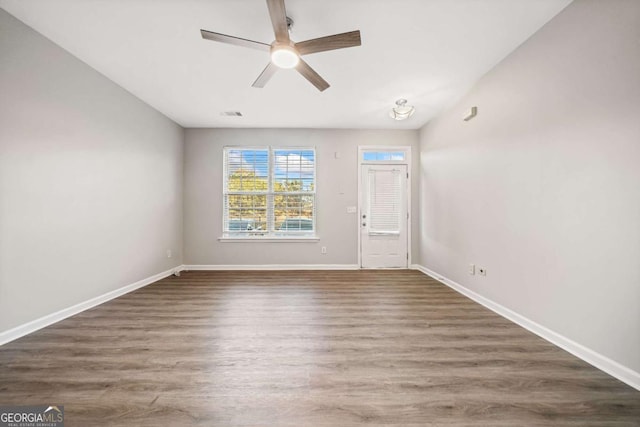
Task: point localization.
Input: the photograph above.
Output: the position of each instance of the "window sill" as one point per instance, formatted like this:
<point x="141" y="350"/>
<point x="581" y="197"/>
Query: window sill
<point x="269" y="239"/>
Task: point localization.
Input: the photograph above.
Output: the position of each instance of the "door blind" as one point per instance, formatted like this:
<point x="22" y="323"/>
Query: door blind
<point x="385" y="201"/>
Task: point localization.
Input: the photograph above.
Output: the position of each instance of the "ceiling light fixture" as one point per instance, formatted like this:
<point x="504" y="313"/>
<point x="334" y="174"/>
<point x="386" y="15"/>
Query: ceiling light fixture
<point x="284" y="55"/>
<point x="401" y="111"/>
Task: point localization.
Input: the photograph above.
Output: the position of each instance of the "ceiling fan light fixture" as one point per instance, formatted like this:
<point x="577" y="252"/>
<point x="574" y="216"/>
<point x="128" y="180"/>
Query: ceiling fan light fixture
<point x="401" y="111"/>
<point x="283" y="51"/>
<point x="284" y="56"/>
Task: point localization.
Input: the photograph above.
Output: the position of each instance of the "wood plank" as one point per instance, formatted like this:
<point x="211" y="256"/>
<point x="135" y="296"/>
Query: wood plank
<point x="335" y="41"/>
<point x="305" y="348"/>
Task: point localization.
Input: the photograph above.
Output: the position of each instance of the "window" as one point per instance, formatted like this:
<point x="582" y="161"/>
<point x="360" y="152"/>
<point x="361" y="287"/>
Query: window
<point x="269" y="192"/>
<point x="383" y="156"/>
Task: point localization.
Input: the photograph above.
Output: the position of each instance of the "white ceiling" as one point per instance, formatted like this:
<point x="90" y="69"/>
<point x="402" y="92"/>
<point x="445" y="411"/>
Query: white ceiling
<point x="428" y="51"/>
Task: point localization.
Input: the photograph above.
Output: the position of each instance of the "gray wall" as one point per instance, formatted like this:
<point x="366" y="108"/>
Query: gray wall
<point x="337" y="188"/>
<point x="90" y="181"/>
<point x="543" y="187"/>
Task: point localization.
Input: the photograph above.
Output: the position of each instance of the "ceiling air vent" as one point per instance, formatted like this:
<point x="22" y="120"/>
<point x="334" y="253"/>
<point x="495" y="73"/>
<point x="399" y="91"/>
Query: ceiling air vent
<point x="231" y="113"/>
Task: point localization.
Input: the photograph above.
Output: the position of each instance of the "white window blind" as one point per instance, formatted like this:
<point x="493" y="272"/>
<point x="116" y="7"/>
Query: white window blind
<point x="246" y="190"/>
<point x="385" y="200"/>
<point x="269" y="191"/>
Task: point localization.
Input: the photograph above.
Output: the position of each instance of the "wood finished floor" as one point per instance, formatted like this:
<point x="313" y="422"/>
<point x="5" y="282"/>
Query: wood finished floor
<point x="324" y="348"/>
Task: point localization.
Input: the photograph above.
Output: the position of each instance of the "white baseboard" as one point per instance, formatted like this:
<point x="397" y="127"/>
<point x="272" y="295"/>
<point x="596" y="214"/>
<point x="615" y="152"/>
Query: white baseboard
<point x="240" y="267"/>
<point x="601" y="362"/>
<point x="49" y="319"/>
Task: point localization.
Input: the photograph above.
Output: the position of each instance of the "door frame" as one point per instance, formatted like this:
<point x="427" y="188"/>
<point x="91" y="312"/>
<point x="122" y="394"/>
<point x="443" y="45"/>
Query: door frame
<point x="406" y="149"/>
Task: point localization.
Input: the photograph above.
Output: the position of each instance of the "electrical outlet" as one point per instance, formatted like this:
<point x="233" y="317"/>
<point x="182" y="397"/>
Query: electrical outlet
<point x="472" y="269"/>
<point x="482" y="271"/>
<point x="168" y="253"/>
<point x="323" y="250"/>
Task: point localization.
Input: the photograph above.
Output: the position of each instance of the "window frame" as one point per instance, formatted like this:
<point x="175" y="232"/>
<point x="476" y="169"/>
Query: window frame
<point x="271" y="234"/>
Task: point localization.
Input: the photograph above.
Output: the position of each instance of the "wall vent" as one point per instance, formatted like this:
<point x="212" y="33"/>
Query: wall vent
<point x="231" y="113"/>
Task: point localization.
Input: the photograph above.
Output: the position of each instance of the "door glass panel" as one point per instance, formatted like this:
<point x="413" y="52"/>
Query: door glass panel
<point x="385" y="198"/>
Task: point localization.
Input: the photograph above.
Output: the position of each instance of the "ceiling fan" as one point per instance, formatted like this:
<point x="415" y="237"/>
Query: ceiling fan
<point x="286" y="53"/>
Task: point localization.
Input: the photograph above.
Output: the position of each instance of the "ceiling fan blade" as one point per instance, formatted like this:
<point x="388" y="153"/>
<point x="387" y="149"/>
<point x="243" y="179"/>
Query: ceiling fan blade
<point x="336" y="41"/>
<point x="266" y="75"/>
<point x="217" y="37"/>
<point x="278" y="16"/>
<point x="313" y="77"/>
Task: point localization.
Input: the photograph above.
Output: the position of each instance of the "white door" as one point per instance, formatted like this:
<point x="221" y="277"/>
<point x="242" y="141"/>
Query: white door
<point x="383" y="216"/>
